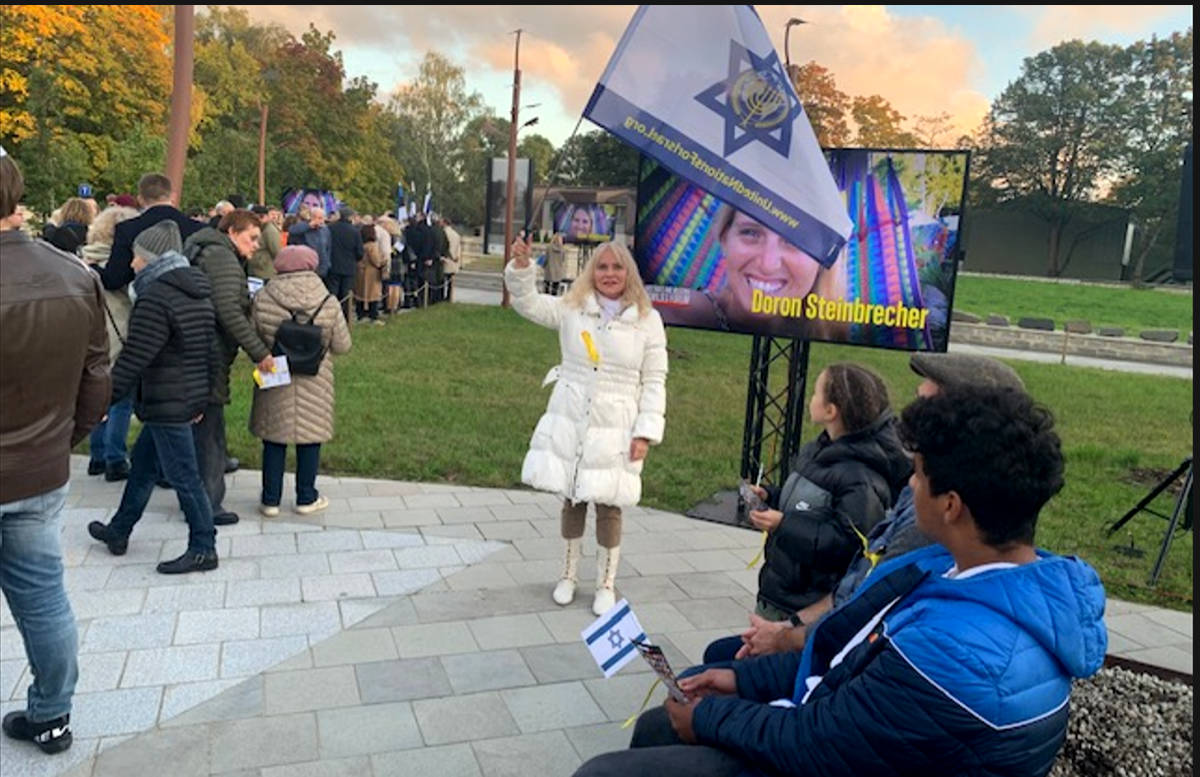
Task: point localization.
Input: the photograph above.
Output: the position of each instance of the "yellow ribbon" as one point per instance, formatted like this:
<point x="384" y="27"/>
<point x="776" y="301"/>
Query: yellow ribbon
<point x="645" y="701"/>
<point x="868" y="554"/>
<point x="754" y="561"/>
<point x="593" y="354"/>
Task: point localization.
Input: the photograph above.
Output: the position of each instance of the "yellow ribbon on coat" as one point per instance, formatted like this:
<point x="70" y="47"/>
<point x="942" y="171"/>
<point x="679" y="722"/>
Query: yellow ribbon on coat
<point x="754" y="561"/>
<point x="593" y="354"/>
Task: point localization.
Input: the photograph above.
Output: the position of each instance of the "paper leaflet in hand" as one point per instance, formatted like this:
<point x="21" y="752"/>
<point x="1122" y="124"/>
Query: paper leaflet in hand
<point x="280" y="376"/>
<point x="658" y="662"/>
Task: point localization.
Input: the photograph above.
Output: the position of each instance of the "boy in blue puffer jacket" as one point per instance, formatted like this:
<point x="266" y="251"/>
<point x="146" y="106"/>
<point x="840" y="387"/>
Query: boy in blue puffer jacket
<point x="956" y="659"/>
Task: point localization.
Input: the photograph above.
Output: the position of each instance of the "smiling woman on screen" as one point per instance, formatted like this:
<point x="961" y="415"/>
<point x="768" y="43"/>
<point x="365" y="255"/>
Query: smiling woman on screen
<point x="762" y="266"/>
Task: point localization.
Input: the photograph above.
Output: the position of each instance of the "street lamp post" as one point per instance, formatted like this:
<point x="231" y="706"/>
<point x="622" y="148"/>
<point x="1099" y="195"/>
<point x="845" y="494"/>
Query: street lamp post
<point x="510" y="186"/>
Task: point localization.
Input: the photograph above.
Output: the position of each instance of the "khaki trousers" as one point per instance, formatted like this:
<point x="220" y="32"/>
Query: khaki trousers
<point x="608" y="523"/>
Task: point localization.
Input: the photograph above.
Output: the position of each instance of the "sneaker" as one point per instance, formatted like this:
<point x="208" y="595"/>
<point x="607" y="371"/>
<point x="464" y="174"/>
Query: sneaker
<point x="53" y="736"/>
<point x="225" y="519"/>
<point x="95" y="467"/>
<point x="189" y="562"/>
<point x="116" y="472"/>
<point x="377" y="322"/>
<point x="231" y="464"/>
<point x="117" y="545"/>
<point x="268" y="511"/>
<point x="314" y="507"/>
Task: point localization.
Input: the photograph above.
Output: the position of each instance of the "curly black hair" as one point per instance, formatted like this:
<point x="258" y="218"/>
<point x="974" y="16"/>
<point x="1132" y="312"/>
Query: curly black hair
<point x="996" y="448"/>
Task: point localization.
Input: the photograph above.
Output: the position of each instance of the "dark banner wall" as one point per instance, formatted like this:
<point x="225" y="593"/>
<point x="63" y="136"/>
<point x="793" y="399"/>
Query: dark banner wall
<point x="496" y="185"/>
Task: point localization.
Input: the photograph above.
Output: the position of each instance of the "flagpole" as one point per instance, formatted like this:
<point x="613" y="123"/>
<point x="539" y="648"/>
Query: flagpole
<point x="510" y="185"/>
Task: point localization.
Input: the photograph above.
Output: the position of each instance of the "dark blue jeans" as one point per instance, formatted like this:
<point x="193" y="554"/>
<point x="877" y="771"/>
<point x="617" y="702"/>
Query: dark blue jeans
<point x="171" y="447"/>
<point x="308" y="459"/>
<point x="723" y="650"/>
<point x="107" y="443"/>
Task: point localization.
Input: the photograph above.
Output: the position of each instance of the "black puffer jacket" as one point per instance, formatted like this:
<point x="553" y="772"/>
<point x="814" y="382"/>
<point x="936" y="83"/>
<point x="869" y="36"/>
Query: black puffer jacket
<point x="835" y="486"/>
<point x="167" y="357"/>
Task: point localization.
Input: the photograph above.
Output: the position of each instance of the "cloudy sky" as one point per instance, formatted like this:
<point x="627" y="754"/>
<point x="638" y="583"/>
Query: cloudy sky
<point x="924" y="59"/>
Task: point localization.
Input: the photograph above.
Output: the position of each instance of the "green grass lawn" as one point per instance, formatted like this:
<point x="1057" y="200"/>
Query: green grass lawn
<point x="1129" y="308"/>
<point x="452" y="394"/>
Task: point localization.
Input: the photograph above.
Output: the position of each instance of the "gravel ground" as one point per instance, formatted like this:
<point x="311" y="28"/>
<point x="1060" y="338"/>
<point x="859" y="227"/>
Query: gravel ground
<point x="1128" y="724"/>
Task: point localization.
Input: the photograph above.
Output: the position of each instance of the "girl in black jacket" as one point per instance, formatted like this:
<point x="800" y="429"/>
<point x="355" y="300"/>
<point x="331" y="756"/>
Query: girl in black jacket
<point x="840" y="486"/>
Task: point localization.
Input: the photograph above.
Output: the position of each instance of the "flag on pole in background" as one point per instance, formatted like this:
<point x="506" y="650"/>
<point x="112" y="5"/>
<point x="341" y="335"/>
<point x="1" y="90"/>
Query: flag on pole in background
<point x="428" y="207"/>
<point x="400" y="207"/>
<point x="701" y="90"/>
<point x="610" y="638"/>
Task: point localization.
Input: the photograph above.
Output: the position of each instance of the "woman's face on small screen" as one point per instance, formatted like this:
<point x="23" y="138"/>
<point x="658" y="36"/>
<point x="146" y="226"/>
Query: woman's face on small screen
<point x="581" y="223"/>
<point x="312" y="200"/>
<point x="757" y="258"/>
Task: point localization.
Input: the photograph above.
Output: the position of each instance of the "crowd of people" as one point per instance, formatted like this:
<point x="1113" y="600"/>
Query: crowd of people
<point x="905" y="623"/>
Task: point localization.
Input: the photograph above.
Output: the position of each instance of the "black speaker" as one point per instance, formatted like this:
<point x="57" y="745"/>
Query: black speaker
<point x="1184" y="256"/>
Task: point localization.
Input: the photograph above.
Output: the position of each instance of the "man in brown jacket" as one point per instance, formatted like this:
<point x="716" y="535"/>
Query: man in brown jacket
<point x="54" y="387"/>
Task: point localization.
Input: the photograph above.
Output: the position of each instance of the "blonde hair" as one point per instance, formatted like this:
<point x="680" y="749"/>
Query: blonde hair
<point x="105" y="224"/>
<point x="585" y="286"/>
<point x="75" y="210"/>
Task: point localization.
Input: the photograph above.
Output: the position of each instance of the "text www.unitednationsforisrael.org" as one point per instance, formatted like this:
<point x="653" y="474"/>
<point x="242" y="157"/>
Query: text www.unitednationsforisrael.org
<point x="720" y="176"/>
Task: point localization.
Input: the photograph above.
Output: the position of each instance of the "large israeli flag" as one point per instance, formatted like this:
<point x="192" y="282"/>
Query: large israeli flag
<point x="701" y="90"/>
<point x="610" y="638"/>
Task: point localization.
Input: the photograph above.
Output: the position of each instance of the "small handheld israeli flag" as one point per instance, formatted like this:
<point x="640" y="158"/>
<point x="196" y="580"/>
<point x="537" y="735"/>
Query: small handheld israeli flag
<point x="610" y="638"/>
<point x="703" y="93"/>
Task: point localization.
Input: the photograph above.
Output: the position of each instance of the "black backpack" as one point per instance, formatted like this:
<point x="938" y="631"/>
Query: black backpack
<point x="300" y="341"/>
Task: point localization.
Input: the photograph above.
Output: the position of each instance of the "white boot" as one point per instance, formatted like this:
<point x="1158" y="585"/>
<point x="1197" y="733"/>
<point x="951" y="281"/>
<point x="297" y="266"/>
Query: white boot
<point x="606" y="577"/>
<point x="564" y="592"/>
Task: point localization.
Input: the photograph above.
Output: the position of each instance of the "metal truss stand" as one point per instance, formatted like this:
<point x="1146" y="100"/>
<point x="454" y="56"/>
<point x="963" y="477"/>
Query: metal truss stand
<point x="1180" y="518"/>
<point x="774" y="420"/>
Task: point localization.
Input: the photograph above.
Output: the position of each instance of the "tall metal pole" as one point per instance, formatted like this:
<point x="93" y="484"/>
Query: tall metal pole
<point x="181" y="99"/>
<point x="262" y="154"/>
<point x="510" y="184"/>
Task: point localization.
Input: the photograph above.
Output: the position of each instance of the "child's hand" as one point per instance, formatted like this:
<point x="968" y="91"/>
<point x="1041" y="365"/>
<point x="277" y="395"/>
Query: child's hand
<point x="767" y="520"/>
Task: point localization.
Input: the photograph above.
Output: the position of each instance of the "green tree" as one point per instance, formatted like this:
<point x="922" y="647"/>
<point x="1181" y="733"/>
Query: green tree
<point x="435" y="109"/>
<point x="1051" y="138"/>
<point x="823" y="102"/>
<point x="596" y="158"/>
<point x="78" y="76"/>
<point x="541" y="151"/>
<point x="1160" y="121"/>
<point x="879" y="124"/>
<point x="933" y="130"/>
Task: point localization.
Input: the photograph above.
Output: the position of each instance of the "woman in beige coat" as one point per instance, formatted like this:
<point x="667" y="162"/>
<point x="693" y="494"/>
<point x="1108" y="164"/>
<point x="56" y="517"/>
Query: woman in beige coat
<point x="368" y="280"/>
<point x="300" y="413"/>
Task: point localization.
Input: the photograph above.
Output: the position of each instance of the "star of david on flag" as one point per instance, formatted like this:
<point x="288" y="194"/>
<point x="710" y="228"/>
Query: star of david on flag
<point x="700" y="89"/>
<point x="755" y="101"/>
<point x="610" y="638"/>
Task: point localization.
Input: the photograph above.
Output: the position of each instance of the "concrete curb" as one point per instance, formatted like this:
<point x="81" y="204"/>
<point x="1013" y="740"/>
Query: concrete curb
<point x="1120" y="348"/>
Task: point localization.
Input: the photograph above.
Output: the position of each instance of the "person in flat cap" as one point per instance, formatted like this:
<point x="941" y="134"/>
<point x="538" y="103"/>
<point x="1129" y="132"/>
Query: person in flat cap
<point x="166" y="366"/>
<point x="895" y="535"/>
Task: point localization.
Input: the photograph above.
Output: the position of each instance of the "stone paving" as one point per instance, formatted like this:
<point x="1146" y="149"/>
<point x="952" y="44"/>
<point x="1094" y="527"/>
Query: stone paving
<point x="408" y="630"/>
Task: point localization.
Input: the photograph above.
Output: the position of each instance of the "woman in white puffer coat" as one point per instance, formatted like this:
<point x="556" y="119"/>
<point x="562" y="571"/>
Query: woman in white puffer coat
<point x="607" y="407"/>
